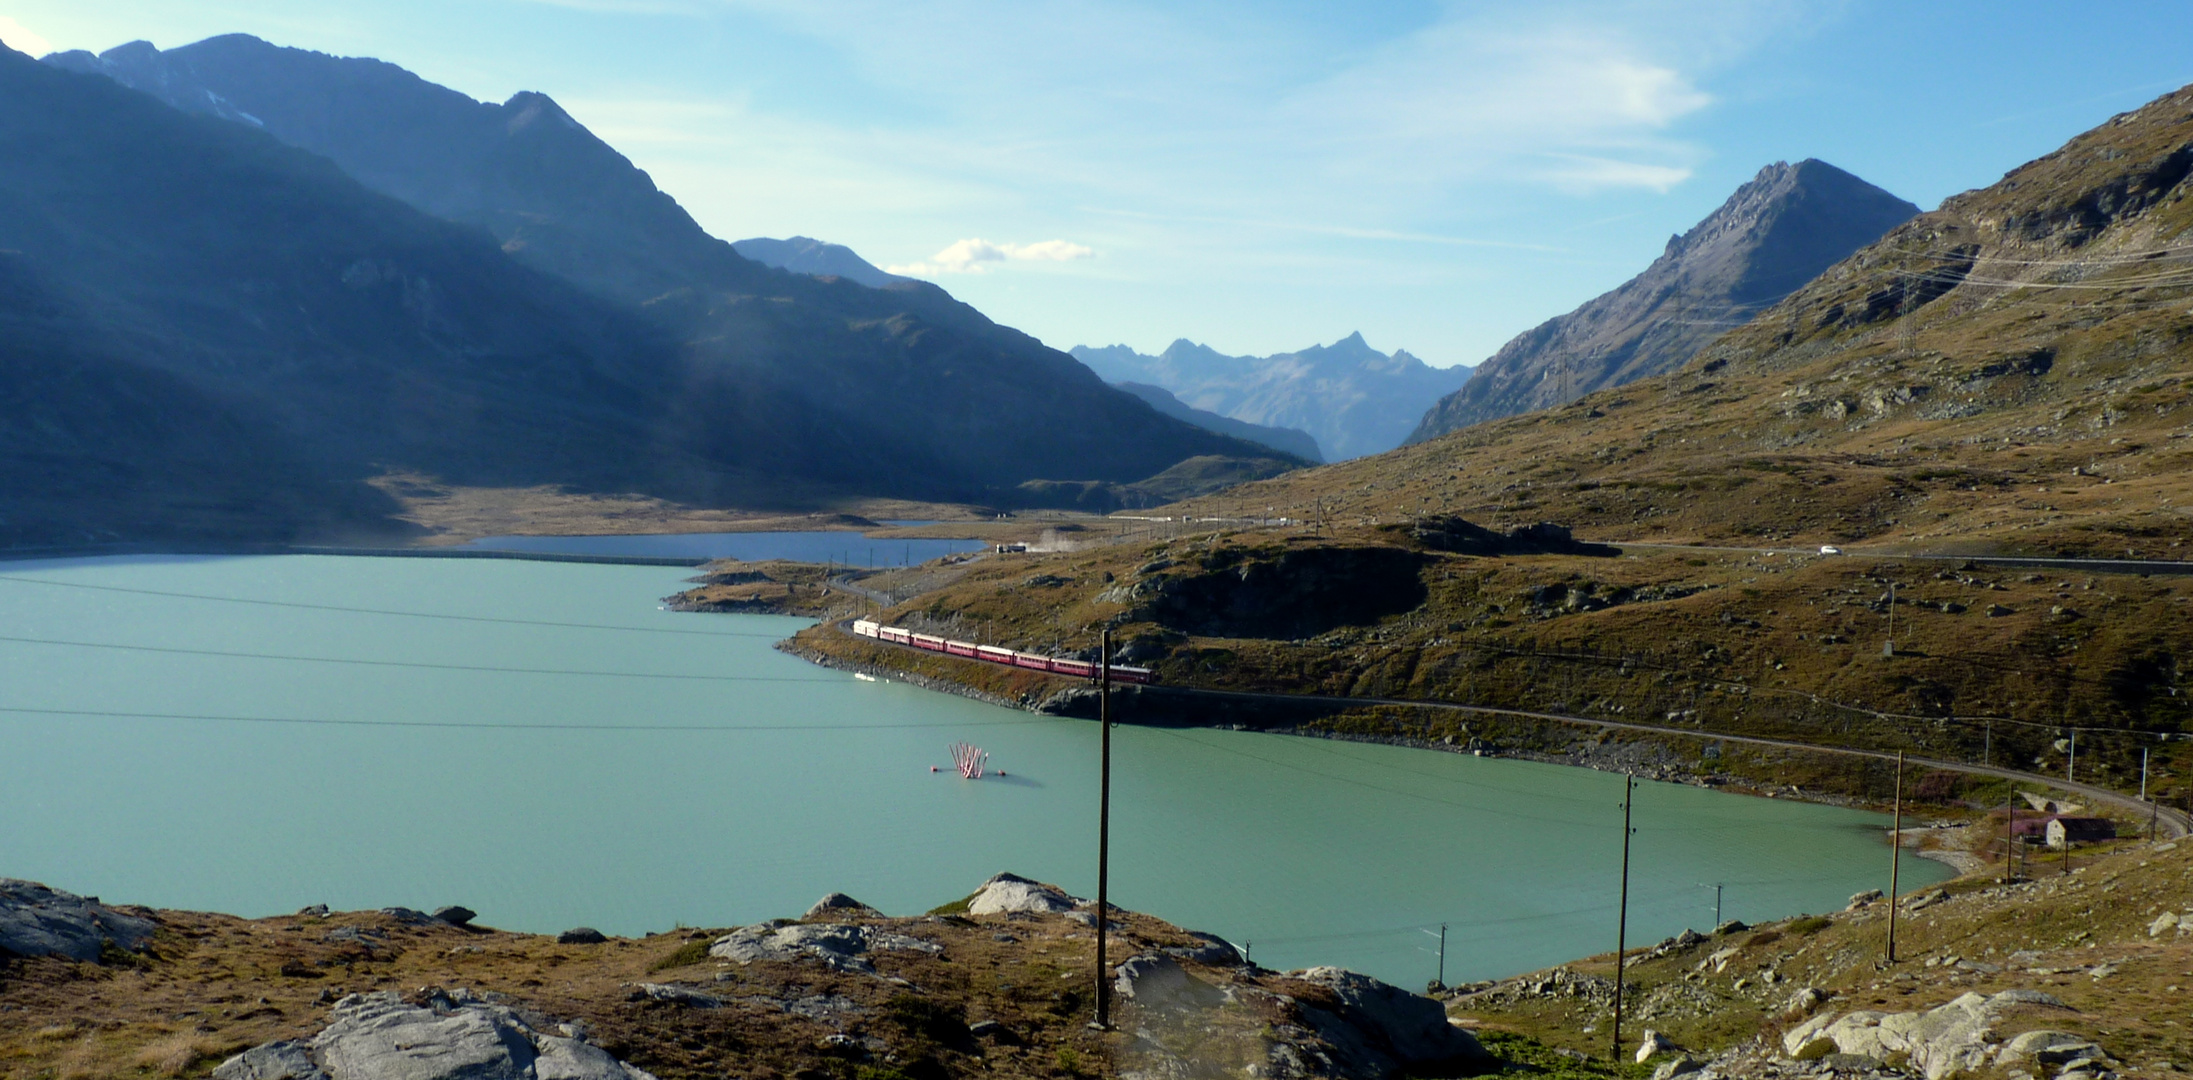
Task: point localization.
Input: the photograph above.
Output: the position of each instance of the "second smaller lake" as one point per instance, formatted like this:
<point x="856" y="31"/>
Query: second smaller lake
<point x="850" y="548"/>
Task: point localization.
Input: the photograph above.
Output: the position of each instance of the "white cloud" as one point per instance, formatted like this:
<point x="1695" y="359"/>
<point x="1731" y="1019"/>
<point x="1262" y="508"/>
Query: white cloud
<point x="20" y="38"/>
<point x="969" y="256"/>
<point x="1584" y="174"/>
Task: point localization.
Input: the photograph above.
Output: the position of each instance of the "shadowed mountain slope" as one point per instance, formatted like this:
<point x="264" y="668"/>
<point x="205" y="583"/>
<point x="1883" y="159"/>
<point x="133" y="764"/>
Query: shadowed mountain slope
<point x="202" y="319"/>
<point x="1776" y="233"/>
<point x="1293" y="441"/>
<point x="1352" y="398"/>
<point x="806" y="255"/>
<point x="894" y="391"/>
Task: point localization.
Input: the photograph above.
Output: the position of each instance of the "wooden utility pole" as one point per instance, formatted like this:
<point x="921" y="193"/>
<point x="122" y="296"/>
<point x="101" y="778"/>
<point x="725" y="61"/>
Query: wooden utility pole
<point x="1622" y="918"/>
<point x="1888" y="648"/>
<point x="1104" y="827"/>
<point x="1895" y="855"/>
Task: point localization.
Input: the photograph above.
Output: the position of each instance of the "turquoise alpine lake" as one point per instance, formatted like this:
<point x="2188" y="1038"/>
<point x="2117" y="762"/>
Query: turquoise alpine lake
<point x="543" y="743"/>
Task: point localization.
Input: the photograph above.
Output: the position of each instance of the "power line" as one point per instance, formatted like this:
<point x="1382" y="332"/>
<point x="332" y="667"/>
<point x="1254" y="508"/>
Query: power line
<point x="383" y="611"/>
<point x="411" y="664"/>
<point x="1732" y="826"/>
<point x="520" y="726"/>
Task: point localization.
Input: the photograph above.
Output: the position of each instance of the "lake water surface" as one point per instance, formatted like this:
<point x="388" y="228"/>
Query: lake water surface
<point x="591" y="759"/>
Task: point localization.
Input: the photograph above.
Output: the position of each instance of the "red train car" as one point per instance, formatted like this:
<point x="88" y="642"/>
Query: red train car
<point x="1057" y="665"/>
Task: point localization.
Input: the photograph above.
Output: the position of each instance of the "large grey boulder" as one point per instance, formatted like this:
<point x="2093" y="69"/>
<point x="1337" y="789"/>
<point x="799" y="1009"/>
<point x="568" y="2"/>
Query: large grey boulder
<point x="837" y="946"/>
<point x="571" y="1059"/>
<point x="838" y="903"/>
<point x="1653" y="1045"/>
<point x="38" y="921"/>
<point x="455" y="1036"/>
<point x="1209" y="949"/>
<point x="1380" y="1028"/>
<point x="675" y="995"/>
<point x="1940" y="1042"/>
<point x="1159" y="982"/>
<point x="1008" y="893"/>
<point x="379" y="1037"/>
<point x="2033" y="1043"/>
<point x="285" y="1060"/>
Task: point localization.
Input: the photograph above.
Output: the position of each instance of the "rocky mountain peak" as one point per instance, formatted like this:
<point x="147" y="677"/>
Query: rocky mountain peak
<point x="816" y="258"/>
<point x="1773" y="234"/>
<point x="529" y="107"/>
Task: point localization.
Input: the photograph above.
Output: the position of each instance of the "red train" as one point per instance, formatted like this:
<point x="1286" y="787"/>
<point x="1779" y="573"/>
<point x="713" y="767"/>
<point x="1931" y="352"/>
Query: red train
<point x="1056" y="665"/>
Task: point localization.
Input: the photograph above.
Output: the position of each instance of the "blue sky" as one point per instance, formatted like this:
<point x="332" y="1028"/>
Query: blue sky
<point x="1256" y="176"/>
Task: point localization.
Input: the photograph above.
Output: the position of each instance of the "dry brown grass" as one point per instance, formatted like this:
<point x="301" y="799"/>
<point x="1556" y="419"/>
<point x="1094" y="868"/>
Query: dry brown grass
<point x="2050" y="935"/>
<point x="1785" y="647"/>
<point x="215" y="984"/>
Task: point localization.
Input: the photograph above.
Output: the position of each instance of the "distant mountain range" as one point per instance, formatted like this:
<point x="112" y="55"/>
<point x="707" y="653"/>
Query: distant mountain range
<point x="1351" y="398"/>
<point x="504" y="300"/>
<point x="806" y="255"/>
<point x="1773" y="235"/>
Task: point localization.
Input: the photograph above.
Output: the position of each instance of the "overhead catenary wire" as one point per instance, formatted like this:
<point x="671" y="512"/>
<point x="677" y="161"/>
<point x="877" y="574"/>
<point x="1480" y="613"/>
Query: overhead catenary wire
<point x="424" y="665"/>
<point x="511" y="726"/>
<point x="386" y="611"/>
<point x="1652" y="899"/>
<point x="1733" y="825"/>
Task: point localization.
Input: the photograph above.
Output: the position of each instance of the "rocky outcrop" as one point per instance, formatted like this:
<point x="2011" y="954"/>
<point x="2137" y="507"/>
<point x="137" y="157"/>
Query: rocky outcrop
<point x="1159" y="982"/>
<point x="447" y="1035"/>
<point x="1443" y="532"/>
<point x="38" y="921"/>
<point x="1316" y="1022"/>
<point x="1294" y="593"/>
<point x="837" y="947"/>
<point x="1944" y="1041"/>
<point x="1377" y="1028"/>
<point x="1010" y="892"/>
<point x="838" y="903"/>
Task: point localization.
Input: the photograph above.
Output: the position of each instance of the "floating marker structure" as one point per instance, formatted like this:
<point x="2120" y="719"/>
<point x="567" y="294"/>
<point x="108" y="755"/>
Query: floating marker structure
<point x="970" y="760"/>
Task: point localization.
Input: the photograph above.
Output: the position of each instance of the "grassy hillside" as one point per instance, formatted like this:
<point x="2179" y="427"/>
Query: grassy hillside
<point x="2006" y="375"/>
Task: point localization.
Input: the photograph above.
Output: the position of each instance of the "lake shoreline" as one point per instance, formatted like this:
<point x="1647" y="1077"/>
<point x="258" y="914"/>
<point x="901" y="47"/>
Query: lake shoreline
<point x="1644" y="754"/>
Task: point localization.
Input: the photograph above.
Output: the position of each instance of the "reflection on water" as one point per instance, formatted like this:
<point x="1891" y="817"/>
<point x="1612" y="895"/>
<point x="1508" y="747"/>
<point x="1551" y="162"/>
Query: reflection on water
<point x="538" y="741"/>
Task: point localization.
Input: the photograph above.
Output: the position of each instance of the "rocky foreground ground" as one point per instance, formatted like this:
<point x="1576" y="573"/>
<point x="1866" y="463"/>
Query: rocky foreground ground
<point x="2077" y="971"/>
<point x="2073" y="971"/>
<point x="999" y="983"/>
